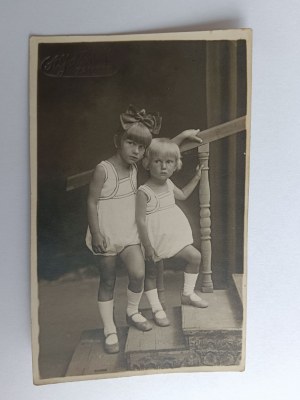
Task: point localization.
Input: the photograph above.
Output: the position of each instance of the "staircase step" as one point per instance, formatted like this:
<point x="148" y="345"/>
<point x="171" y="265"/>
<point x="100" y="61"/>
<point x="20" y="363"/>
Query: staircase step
<point x="90" y="358"/>
<point x="215" y="332"/>
<point x="219" y="315"/>
<point x="158" y="348"/>
<point x="159" y="338"/>
<point x="196" y="337"/>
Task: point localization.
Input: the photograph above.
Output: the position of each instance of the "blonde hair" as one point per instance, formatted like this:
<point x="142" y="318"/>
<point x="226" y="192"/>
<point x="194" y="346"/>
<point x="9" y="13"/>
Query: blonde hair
<point x="162" y="146"/>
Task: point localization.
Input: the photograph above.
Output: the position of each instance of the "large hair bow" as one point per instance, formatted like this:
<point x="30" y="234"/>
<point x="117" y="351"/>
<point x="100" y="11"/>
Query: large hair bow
<point x="132" y="116"/>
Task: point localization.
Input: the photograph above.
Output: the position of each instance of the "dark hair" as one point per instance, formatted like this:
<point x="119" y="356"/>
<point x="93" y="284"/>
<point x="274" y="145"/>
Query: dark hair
<point x="137" y="132"/>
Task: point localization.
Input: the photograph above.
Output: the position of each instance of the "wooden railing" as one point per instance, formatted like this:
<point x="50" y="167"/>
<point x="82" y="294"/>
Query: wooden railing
<point x="205" y="220"/>
<point x="209" y="135"/>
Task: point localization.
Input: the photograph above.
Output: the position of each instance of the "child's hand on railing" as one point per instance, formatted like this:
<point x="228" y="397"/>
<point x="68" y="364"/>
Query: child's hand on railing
<point x="199" y="170"/>
<point x="191" y="135"/>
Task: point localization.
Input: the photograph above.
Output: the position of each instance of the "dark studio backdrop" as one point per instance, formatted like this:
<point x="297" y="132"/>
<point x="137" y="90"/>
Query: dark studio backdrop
<point x="82" y="89"/>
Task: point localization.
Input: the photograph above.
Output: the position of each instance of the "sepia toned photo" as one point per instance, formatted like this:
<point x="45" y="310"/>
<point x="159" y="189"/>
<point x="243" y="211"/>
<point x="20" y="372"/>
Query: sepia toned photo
<point x="139" y="198"/>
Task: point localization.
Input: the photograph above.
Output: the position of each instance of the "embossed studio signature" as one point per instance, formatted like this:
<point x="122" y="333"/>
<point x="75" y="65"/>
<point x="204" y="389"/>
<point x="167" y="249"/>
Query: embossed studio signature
<point x="84" y="64"/>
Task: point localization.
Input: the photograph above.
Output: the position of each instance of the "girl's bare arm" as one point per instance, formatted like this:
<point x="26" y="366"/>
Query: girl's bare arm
<point x="95" y="188"/>
<point x="184" y="193"/>
<point x="140" y="216"/>
<point x="189" y="134"/>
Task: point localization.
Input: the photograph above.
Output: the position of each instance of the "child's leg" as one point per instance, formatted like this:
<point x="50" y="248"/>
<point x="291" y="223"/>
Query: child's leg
<point x="192" y="257"/>
<point x="134" y="261"/>
<point x="107" y="267"/>
<point x="151" y="292"/>
<point x="160" y="283"/>
<point x="151" y="273"/>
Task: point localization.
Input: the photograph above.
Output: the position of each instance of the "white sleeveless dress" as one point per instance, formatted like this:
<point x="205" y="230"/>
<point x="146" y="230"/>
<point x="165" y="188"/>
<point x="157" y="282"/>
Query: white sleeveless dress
<point x="116" y="211"/>
<point x="168" y="228"/>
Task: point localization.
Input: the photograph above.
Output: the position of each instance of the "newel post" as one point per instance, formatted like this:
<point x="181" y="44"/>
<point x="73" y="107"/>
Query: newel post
<point x="205" y="220"/>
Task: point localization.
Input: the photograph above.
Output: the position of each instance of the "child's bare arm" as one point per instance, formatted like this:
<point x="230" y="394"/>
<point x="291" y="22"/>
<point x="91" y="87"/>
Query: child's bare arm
<point x="189" y="134"/>
<point x="95" y="188"/>
<point x="140" y="216"/>
<point x="184" y="193"/>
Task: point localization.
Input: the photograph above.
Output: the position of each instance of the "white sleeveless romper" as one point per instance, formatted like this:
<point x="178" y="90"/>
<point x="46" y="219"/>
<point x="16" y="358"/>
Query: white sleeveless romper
<point x="116" y="211"/>
<point x="168" y="228"/>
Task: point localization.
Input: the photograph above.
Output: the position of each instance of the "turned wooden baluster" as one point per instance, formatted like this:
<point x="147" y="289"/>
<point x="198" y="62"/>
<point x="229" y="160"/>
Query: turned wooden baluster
<point x="205" y="221"/>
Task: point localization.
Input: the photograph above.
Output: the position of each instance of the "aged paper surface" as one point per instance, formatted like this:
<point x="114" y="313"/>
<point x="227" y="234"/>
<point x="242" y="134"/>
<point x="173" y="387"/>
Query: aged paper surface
<point x="79" y="86"/>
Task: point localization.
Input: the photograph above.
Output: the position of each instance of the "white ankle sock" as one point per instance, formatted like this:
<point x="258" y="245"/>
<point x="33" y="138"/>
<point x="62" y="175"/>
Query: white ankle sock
<point x="106" y="309"/>
<point x="133" y="301"/>
<point x="189" y="283"/>
<point x="153" y="299"/>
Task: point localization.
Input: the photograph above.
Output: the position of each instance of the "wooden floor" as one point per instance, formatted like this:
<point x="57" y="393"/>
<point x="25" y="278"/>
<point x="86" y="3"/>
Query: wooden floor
<point x="90" y="357"/>
<point x="221" y="313"/>
<point x="159" y="338"/>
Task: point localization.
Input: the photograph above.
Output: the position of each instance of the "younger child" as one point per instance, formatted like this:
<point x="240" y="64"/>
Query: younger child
<point x="163" y="228"/>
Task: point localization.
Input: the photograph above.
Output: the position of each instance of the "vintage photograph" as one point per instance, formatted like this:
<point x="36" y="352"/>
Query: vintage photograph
<point x="140" y="148"/>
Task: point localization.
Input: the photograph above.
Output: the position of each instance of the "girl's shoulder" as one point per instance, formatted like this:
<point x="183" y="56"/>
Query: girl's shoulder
<point x="106" y="163"/>
<point x="146" y="190"/>
<point x="170" y="185"/>
<point x="103" y="168"/>
<point x="109" y="164"/>
<point x="103" y="164"/>
<point x="107" y="169"/>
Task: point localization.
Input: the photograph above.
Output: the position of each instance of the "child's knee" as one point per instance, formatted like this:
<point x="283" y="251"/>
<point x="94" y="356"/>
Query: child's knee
<point x="195" y="257"/>
<point x="109" y="284"/>
<point x="137" y="278"/>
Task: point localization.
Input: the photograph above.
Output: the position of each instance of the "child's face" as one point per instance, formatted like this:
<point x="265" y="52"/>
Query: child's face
<point x="131" y="151"/>
<point x="162" y="166"/>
